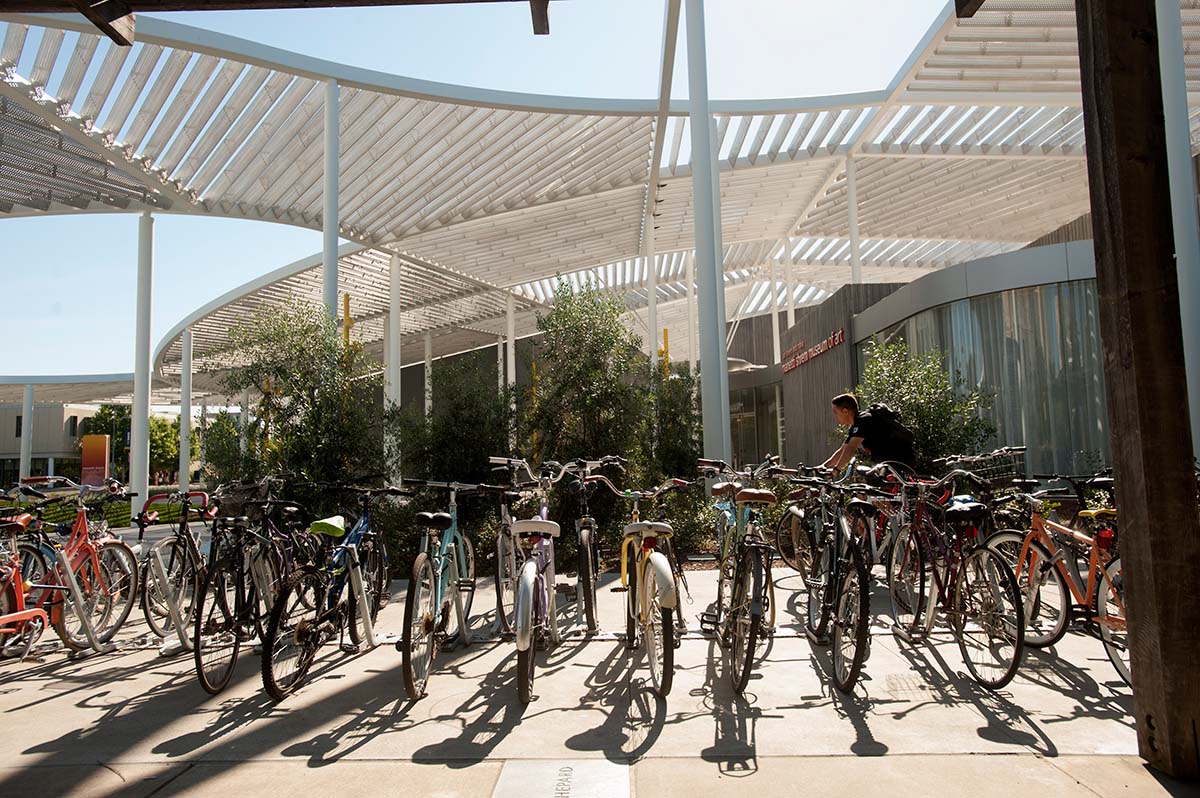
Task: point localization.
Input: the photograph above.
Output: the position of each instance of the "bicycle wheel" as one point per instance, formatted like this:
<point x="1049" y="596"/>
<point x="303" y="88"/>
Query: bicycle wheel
<point x="819" y="595"/>
<point x="96" y="605"/>
<point x="793" y="541"/>
<point x="851" y="620"/>
<point x="585" y="591"/>
<point x="906" y="574"/>
<point x="633" y="616"/>
<point x="743" y="621"/>
<point x="506" y="580"/>
<point x="1044" y="593"/>
<point x="466" y="589"/>
<point x="294" y="633"/>
<point x="527" y="659"/>
<point x="19" y="643"/>
<point x="217" y="633"/>
<point x="123" y="572"/>
<point x="417" y="642"/>
<point x="1110" y="615"/>
<point x="371" y="565"/>
<point x="183" y="574"/>
<point x="659" y="632"/>
<point x="991" y="623"/>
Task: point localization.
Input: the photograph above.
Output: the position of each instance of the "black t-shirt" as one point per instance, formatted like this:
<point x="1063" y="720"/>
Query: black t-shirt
<point x="880" y="441"/>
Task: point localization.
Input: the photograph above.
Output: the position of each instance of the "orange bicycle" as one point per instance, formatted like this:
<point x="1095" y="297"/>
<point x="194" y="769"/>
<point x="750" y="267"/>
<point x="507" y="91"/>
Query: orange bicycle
<point x="1047" y="561"/>
<point x="20" y="626"/>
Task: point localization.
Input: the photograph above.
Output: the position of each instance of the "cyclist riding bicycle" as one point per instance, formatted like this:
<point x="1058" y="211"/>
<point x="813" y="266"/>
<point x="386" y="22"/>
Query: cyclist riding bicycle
<point x="877" y="431"/>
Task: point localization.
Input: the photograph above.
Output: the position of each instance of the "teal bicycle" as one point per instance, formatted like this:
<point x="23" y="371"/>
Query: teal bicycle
<point x="437" y="608"/>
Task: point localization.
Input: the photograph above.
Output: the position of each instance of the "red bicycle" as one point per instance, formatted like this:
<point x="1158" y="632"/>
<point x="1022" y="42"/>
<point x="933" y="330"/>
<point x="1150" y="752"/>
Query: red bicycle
<point x="20" y="626"/>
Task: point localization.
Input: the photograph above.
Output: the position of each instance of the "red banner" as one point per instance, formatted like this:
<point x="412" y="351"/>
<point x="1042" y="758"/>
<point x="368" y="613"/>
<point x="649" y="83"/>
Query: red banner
<point x="94" y="460"/>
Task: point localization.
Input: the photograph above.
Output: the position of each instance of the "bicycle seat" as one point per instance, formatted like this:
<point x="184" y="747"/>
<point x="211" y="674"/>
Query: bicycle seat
<point x="1027" y="485"/>
<point x="334" y="526"/>
<point x="755" y="496"/>
<point x="438" y="521"/>
<point x="235" y="520"/>
<point x="21" y="520"/>
<point x="862" y="505"/>
<point x="1100" y="483"/>
<point x="966" y="511"/>
<point x="726" y="487"/>
<point x="799" y="494"/>
<point x="1102" y="512"/>
<point x="651" y="529"/>
<point x="535" y="526"/>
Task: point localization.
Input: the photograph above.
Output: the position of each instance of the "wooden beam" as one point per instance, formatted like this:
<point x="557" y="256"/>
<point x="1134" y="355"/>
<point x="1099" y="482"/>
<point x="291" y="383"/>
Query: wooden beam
<point x="1145" y="381"/>
<point x="965" y="9"/>
<point x="113" y="17"/>
<point x="541" y="16"/>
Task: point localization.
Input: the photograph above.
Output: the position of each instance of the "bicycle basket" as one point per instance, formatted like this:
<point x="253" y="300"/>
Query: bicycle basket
<point x="232" y="499"/>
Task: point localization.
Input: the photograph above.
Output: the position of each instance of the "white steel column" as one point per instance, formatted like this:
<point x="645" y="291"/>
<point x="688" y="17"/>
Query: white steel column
<point x="392" y="353"/>
<point x="788" y="272"/>
<point x="511" y="320"/>
<point x="776" y="344"/>
<point x="852" y="207"/>
<point x="691" y="311"/>
<point x="139" y="432"/>
<point x="710" y="283"/>
<point x="652" y="298"/>
<point x="26" y="433"/>
<point x="1183" y="195"/>
<point x="185" y="411"/>
<point x="329" y="221"/>
<point x="500" y="362"/>
<point x="428" y="373"/>
<point x="203" y="429"/>
<point x="49" y="466"/>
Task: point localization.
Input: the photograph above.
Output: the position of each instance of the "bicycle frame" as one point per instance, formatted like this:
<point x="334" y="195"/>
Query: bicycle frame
<point x="12" y="622"/>
<point x="450" y="559"/>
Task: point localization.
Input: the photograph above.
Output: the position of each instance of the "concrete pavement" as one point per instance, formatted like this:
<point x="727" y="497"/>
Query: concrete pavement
<point x="133" y="723"/>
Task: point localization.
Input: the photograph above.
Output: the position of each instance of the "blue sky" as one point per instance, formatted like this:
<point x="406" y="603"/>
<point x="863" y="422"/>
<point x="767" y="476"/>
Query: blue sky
<point x="76" y="273"/>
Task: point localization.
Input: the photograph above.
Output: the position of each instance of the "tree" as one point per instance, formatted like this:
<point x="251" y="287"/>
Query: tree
<point x="164" y="445"/>
<point x="222" y="449"/>
<point x="946" y="417"/>
<point x="319" y="413"/>
<point x="114" y="421"/>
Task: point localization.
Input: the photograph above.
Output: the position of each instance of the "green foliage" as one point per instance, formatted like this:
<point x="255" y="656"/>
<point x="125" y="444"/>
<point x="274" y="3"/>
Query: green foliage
<point x="164" y="445"/>
<point x="114" y="421"/>
<point x="945" y="416"/>
<point x="222" y="452"/>
<point x="318" y="414"/>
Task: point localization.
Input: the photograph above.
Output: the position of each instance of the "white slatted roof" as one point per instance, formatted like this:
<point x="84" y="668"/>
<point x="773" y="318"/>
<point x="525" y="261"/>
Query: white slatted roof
<point x="975" y="147"/>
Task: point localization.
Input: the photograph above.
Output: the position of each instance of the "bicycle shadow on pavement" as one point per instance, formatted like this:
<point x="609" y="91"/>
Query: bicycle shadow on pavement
<point x="634" y="714"/>
<point x="735" y="717"/>
<point x="1110" y="700"/>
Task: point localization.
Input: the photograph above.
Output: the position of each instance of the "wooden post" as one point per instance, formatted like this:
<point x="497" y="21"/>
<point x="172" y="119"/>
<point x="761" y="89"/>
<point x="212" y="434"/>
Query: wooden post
<point x="1144" y="372"/>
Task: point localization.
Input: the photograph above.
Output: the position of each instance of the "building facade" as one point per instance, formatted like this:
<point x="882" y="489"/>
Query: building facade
<point x="56" y="430"/>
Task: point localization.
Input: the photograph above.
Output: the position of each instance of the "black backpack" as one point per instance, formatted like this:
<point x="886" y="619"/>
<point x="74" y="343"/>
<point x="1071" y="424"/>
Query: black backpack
<point x="889" y="419"/>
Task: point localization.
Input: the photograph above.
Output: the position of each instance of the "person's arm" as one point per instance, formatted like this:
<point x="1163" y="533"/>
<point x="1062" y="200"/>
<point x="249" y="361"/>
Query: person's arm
<point x="842" y="457"/>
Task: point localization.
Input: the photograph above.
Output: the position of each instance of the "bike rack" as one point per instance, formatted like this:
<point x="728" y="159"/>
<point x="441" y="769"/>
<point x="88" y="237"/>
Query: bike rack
<point x="364" y="606"/>
<point x="160" y="575"/>
<point x="80" y="610"/>
<point x="464" y="629"/>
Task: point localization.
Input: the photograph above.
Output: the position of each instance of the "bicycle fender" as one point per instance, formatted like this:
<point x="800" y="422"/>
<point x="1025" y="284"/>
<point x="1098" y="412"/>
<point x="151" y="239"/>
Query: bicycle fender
<point x="796" y="511"/>
<point x="526" y="585"/>
<point x="662" y="575"/>
<point x="756" y="604"/>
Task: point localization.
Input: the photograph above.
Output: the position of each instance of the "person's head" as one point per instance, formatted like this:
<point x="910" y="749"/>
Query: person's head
<point x="845" y="408"/>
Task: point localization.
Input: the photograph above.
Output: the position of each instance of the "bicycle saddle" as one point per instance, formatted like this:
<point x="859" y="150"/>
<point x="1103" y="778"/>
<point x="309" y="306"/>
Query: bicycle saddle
<point x="15" y="523"/>
<point x="726" y="487"/>
<point x="862" y="505"/>
<point x="334" y="526"/>
<point x="755" y="496"/>
<point x="535" y="526"/>
<point x="648" y="529"/>
<point x="965" y="510"/>
<point x="438" y="521"/>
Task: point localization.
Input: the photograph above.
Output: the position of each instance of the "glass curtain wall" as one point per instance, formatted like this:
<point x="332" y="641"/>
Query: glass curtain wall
<point x="1036" y="350"/>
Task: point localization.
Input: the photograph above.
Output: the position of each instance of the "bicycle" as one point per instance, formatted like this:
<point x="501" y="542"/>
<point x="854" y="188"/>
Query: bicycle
<point x="241" y="584"/>
<point x="440" y="591"/>
<point x="969" y="583"/>
<point x="838" y="582"/>
<point x="654" y="578"/>
<point x="87" y="587"/>
<point x="338" y="594"/>
<point x="21" y="626"/>
<point x="745" y="608"/>
<point x="588" y="577"/>
<point x="183" y="562"/>
<point x="1055" y="595"/>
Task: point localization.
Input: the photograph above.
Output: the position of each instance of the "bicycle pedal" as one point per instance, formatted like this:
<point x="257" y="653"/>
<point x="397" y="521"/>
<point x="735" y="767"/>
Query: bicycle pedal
<point x="349" y="648"/>
<point x="708" y="622"/>
<point x="618" y="590"/>
<point x="565" y="589"/>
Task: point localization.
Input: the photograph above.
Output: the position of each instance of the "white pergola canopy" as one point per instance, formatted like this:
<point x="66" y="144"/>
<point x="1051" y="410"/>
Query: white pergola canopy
<point x="974" y="148"/>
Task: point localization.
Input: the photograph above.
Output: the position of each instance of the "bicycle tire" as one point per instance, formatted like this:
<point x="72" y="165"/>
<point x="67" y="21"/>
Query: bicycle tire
<point x="659" y="634"/>
<point x="793" y="541"/>
<point x="123" y="573"/>
<point x="465" y="588"/>
<point x="184" y="575"/>
<point x="725" y="579"/>
<point x="819" y="590"/>
<point x="505" y="579"/>
<point x="293" y="634"/>
<point x="527" y="659"/>
<point x="1047" y="611"/>
<point x="633" y="615"/>
<point x="906" y="572"/>
<point x="66" y="621"/>
<point x="985" y="581"/>
<point x="743" y="620"/>
<point x="417" y="643"/>
<point x="216" y="632"/>
<point x="852" y="620"/>
<point x="34" y="568"/>
<point x="371" y="566"/>
<point x="1116" y="645"/>
<point x="586" y="587"/>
